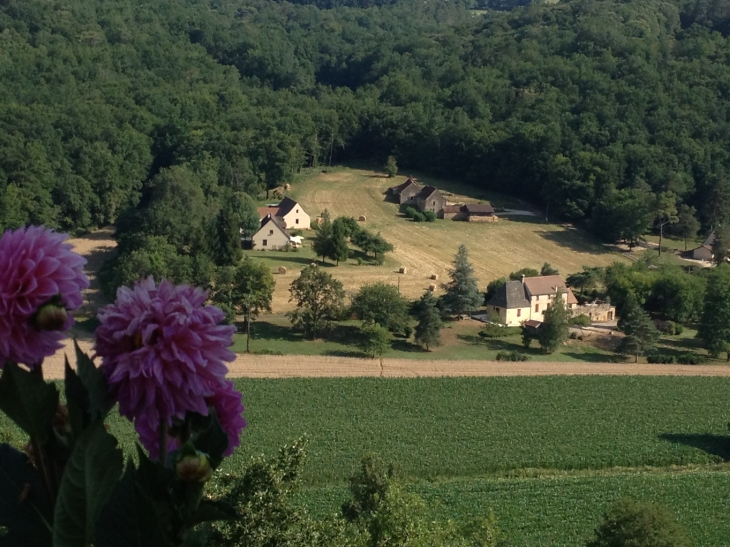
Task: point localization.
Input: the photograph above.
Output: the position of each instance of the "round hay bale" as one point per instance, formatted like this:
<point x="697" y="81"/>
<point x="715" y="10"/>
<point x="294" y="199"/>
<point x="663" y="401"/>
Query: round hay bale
<point x="287" y="186"/>
<point x="361" y="218"/>
<point x="434" y="276"/>
<point x="282" y="270"/>
<point x="319" y="220"/>
<point x="432" y="287"/>
<point x="313" y="264"/>
<point x="403" y="270"/>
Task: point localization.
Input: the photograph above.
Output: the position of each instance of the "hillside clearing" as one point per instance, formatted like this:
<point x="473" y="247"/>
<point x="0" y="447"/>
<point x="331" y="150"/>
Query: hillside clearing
<point x="496" y="249"/>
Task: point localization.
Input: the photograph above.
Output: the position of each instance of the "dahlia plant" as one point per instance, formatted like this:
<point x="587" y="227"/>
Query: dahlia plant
<point x="162" y="356"/>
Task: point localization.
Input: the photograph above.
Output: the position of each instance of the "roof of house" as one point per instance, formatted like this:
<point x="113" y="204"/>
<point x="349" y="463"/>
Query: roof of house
<point x="511" y="295"/>
<point x="269" y="219"/>
<point x="398" y="189"/>
<point x="285" y="207"/>
<point x="710" y="240"/>
<point x="453" y="208"/>
<point x="427" y="192"/>
<point x="545" y="284"/>
<point x="263" y="211"/>
<point x="531" y="323"/>
<point x="479" y="208"/>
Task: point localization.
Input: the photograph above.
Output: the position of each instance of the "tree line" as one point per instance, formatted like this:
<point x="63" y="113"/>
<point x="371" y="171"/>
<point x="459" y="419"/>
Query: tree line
<point x="609" y="111"/>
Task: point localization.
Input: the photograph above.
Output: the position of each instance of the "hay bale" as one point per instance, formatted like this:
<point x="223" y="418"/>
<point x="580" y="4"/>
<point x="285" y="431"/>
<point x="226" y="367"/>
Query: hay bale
<point x="432" y="287"/>
<point x="319" y="220"/>
<point x="282" y="270"/>
<point x="434" y="276"/>
<point x="287" y="187"/>
<point x="361" y="218"/>
<point x="313" y="264"/>
<point x="403" y="270"/>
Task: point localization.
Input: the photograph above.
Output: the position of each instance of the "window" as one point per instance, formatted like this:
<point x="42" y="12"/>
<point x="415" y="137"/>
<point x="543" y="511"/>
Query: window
<point x="264" y="243"/>
<point x="296" y="221"/>
<point x="537" y="307"/>
<point x="297" y="212"/>
<point x="496" y="309"/>
<point x="519" y="312"/>
<point x="271" y="232"/>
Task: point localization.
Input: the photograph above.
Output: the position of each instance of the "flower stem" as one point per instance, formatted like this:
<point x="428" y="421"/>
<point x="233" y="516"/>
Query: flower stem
<point x="163" y="443"/>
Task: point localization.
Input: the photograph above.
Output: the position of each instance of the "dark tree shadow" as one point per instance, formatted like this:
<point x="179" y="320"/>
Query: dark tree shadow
<point x="287" y="257"/>
<point x="344" y="353"/>
<point x="717" y="445"/>
<point x="681" y="343"/>
<point x="591" y="357"/>
<point x="578" y="241"/>
<point x="263" y="330"/>
<point x="474" y="339"/>
<point x="344" y="334"/>
<point x="405" y="345"/>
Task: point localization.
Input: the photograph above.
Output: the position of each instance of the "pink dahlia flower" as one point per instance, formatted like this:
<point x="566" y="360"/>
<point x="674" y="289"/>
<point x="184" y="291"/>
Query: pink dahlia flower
<point x="163" y="353"/>
<point x="37" y="270"/>
<point x="229" y="408"/>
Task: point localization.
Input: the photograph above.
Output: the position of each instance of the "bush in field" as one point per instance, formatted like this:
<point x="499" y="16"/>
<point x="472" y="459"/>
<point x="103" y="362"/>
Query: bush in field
<point x="580" y="321"/>
<point x="495" y="331"/>
<point x="511" y="356"/>
<point x="382" y="304"/>
<point x="633" y="524"/>
<point x="375" y="340"/>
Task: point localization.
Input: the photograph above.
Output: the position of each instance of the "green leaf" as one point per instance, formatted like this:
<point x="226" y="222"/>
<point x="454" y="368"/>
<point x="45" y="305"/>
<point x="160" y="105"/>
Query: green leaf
<point x="210" y="510"/>
<point x="130" y="519"/>
<point x="153" y="477"/>
<point x="28" y="401"/>
<point x="77" y="401"/>
<point x="100" y="399"/>
<point x="88" y="480"/>
<point x="213" y="441"/>
<point x="24" y="505"/>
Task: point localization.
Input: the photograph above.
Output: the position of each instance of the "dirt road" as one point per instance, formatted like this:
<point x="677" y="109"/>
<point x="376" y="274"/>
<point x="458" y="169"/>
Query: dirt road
<point x="309" y="366"/>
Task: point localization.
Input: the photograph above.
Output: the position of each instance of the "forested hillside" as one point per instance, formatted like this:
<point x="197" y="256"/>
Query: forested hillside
<point x="590" y="107"/>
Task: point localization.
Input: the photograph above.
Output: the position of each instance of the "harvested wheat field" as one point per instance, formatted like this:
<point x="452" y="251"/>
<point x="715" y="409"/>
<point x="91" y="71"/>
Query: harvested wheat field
<point x="313" y="366"/>
<point x="427" y="248"/>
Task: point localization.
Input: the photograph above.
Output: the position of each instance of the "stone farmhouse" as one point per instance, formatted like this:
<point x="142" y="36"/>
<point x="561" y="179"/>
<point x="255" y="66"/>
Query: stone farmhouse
<point x="272" y="235"/>
<point x="516" y="302"/>
<point x="429" y="198"/>
<point x="288" y="213"/>
<point x="704" y="251"/>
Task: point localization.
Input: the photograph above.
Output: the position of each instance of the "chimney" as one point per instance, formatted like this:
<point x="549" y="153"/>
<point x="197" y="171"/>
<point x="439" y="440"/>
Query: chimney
<point x="523" y="279"/>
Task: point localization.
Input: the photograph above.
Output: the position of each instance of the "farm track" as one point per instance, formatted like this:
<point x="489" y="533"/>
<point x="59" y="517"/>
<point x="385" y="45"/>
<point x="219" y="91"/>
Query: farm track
<point x="314" y="366"/>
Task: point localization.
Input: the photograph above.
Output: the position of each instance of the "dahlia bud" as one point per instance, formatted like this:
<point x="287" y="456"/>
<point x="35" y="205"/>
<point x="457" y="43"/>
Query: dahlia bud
<point x="50" y="316"/>
<point x="194" y="467"/>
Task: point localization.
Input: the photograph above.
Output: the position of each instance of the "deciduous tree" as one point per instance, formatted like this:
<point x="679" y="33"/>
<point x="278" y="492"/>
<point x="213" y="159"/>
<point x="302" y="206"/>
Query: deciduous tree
<point x="554" y="329"/>
<point x="382" y="304"/>
<point x="428" y="330"/>
<point x="319" y="299"/>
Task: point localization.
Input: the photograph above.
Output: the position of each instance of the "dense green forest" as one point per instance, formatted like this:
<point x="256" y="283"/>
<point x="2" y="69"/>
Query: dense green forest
<point x="589" y="107"/>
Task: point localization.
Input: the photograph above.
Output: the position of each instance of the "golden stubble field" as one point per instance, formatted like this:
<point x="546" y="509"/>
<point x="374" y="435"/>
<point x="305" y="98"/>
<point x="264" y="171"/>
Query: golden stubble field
<point x="495" y="249"/>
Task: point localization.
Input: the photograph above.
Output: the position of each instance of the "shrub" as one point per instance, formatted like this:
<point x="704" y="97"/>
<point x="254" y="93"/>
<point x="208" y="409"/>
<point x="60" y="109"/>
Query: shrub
<point x="267" y="351"/>
<point x="511" y="356"/>
<point x="496" y="331"/>
<point x="671" y="328"/>
<point x="573" y="335"/>
<point x="430" y="216"/>
<point x="580" y="321"/>
<point x="418" y="217"/>
<point x="682" y="359"/>
<point x="639" y="525"/>
<point x="407" y="331"/>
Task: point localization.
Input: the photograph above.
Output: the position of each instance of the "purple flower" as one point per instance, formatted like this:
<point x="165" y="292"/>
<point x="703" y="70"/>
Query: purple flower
<point x="163" y="353"/>
<point x="37" y="270"/>
<point x="229" y="408"/>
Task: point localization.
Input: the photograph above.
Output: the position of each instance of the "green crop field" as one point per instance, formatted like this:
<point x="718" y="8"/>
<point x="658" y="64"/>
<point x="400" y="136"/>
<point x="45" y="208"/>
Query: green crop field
<point x="546" y="454"/>
<point x="558" y="511"/>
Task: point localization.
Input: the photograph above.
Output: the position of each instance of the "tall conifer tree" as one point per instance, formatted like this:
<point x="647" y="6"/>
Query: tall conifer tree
<point x="462" y="292"/>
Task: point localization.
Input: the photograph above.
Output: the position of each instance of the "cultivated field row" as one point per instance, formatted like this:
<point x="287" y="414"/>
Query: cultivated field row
<point x="315" y="366"/>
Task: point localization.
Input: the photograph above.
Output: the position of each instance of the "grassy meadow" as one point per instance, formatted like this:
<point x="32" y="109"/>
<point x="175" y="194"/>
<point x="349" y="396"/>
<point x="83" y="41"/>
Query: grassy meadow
<point x="427" y="248"/>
